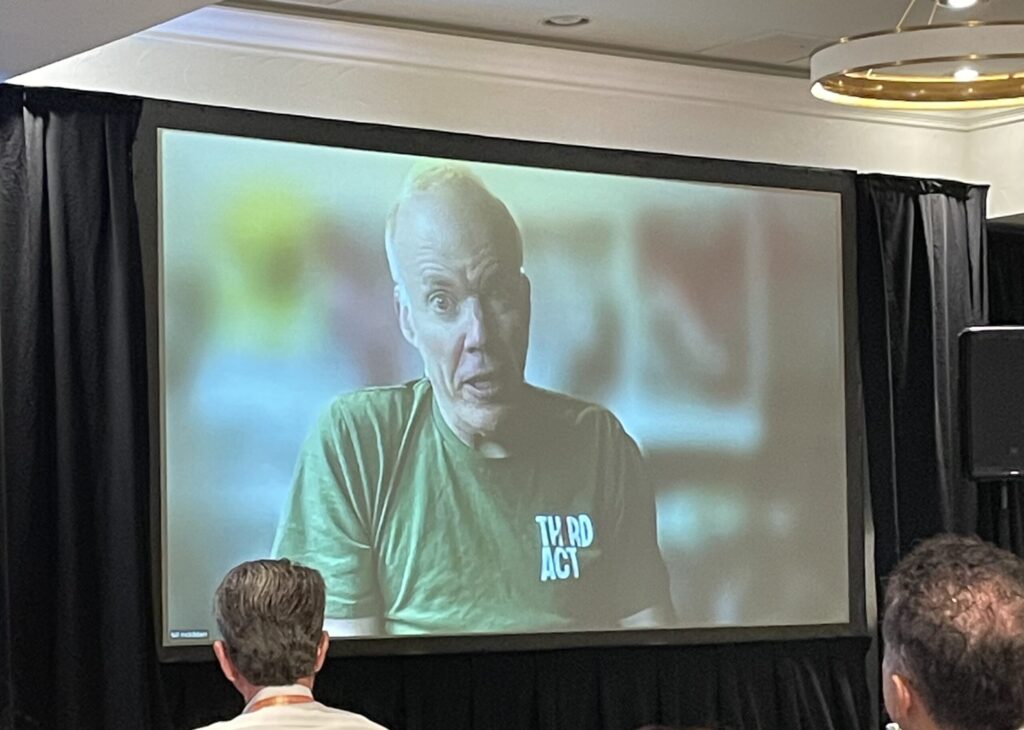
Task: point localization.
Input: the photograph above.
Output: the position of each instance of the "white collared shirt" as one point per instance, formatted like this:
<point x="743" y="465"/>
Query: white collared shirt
<point x="298" y="716"/>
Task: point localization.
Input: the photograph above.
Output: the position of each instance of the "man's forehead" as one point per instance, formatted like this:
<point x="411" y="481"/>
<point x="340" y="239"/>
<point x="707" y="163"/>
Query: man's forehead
<point x="453" y="224"/>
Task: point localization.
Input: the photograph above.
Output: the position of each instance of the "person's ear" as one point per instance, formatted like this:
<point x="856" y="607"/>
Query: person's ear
<point x="404" y="315"/>
<point x="220" y="649"/>
<point x="321" y="651"/>
<point x="904" y="698"/>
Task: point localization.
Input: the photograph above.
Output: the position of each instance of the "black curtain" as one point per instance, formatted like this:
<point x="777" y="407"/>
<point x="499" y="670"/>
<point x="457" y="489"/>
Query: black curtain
<point x="75" y="630"/>
<point x="796" y="685"/>
<point x="1006" y="274"/>
<point x="1001" y="504"/>
<point x="921" y="279"/>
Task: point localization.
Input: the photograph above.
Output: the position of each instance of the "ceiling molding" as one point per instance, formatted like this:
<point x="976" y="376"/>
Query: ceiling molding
<point x="339" y="13"/>
<point x="325" y="41"/>
<point x="996" y="118"/>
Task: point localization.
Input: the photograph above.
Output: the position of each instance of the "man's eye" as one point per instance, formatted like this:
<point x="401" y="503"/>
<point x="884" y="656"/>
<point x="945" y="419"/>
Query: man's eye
<point x="441" y="303"/>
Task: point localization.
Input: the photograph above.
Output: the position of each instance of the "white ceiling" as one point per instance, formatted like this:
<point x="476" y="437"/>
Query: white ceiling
<point x="774" y="36"/>
<point x="34" y="33"/>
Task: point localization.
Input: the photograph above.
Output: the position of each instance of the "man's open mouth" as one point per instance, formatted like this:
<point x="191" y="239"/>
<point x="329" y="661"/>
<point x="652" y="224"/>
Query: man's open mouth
<point x="485" y="386"/>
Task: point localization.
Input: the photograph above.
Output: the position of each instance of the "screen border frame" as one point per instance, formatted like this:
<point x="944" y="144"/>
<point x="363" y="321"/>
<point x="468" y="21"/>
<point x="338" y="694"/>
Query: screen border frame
<point x="157" y="114"/>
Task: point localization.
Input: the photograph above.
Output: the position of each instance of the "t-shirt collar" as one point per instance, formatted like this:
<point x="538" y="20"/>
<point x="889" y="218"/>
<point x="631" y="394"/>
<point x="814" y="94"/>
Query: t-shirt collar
<point x="286" y="689"/>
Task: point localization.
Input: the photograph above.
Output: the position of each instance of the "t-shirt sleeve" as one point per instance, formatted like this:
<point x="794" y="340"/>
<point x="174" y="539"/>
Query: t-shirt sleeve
<point x="326" y="521"/>
<point x="635" y="561"/>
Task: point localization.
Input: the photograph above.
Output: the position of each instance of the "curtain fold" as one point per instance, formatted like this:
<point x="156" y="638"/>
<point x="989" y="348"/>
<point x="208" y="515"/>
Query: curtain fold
<point x="75" y="447"/>
<point x="921" y="279"/>
<point x="11" y="211"/>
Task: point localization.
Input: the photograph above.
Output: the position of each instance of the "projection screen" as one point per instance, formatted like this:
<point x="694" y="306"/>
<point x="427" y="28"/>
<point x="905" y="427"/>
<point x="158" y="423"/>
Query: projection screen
<point x="498" y="390"/>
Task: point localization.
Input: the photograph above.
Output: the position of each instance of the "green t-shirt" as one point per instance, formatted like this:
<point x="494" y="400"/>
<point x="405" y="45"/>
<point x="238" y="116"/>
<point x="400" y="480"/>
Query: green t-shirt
<point x="407" y="523"/>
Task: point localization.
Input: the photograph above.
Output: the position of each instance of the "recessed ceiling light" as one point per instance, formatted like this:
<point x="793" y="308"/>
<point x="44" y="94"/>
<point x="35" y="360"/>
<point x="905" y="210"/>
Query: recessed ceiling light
<point x="566" y="21"/>
<point x="957" y="4"/>
<point x="965" y="74"/>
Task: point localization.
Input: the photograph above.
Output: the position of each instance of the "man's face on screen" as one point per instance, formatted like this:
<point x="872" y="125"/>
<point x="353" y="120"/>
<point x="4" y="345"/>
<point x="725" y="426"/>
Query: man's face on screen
<point x="466" y="302"/>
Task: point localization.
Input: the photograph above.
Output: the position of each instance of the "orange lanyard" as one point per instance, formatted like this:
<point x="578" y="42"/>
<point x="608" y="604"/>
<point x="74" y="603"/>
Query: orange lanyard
<point x="279" y="700"/>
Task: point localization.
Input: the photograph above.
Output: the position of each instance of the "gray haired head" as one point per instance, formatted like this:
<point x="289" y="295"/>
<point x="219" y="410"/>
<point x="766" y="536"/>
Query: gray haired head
<point x="271" y="615"/>
<point x="953" y="627"/>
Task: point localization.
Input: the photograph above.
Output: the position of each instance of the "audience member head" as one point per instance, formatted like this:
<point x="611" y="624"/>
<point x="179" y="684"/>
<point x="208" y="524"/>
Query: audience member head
<point x="271" y="615"/>
<point x="954" y="637"/>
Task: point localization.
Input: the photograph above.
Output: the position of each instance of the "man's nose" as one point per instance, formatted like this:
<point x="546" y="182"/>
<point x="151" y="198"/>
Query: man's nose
<point x="476" y="326"/>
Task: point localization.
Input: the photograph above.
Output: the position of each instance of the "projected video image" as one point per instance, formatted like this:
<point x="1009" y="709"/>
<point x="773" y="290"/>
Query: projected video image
<point x="489" y="399"/>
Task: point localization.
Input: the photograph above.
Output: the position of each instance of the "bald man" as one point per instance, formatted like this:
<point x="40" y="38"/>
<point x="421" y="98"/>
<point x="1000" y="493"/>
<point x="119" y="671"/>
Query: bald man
<point x="470" y="501"/>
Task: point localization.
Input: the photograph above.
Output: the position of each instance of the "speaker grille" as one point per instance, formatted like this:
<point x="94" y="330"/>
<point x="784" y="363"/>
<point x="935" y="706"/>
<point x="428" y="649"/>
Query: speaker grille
<point x="992" y="375"/>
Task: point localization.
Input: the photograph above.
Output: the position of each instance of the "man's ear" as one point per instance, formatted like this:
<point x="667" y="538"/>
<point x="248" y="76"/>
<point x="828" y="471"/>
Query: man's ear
<point x="404" y="315"/>
<point x="904" y="698"/>
<point x="321" y="651"/>
<point x="220" y="649"/>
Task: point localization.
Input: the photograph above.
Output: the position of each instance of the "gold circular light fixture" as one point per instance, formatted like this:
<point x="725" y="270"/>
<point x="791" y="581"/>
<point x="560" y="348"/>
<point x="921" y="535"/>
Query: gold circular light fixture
<point x="959" y="66"/>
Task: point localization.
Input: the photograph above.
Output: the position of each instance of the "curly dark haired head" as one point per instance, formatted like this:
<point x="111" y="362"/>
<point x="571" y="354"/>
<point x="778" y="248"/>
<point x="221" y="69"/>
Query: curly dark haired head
<point x="954" y="636"/>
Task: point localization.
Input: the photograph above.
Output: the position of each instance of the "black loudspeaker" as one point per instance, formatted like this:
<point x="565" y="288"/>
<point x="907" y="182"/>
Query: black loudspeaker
<point x="992" y="402"/>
